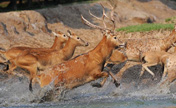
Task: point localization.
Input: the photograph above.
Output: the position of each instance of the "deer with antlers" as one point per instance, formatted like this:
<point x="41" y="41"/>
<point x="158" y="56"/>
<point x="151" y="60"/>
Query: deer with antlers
<point x="12" y="53"/>
<point x="135" y="46"/>
<point x="84" y="68"/>
<point x="35" y="61"/>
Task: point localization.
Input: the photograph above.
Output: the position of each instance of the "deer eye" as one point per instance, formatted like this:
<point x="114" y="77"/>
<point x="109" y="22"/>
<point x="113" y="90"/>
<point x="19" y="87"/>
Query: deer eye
<point x="78" y="38"/>
<point x="115" y="37"/>
<point x="64" y="35"/>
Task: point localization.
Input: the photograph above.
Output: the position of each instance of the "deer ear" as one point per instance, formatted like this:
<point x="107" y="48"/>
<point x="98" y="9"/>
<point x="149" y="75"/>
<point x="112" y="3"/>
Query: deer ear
<point x="108" y="33"/>
<point x="69" y="33"/>
<point x="54" y="33"/>
<point x="105" y="32"/>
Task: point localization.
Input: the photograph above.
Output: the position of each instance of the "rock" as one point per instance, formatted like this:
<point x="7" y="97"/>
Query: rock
<point x="17" y="22"/>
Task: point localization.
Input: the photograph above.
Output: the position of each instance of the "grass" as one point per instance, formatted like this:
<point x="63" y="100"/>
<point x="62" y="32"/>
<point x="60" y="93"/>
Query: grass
<point x="171" y="19"/>
<point x="146" y="27"/>
<point x="4" y="4"/>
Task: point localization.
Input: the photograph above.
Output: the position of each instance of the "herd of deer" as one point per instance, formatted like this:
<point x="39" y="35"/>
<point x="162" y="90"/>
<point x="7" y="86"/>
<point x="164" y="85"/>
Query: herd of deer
<point x="46" y="65"/>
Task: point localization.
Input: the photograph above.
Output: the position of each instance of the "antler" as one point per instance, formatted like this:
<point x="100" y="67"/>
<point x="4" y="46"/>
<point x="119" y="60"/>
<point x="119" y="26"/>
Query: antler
<point x="101" y="18"/>
<point x="91" y="25"/>
<point x="112" y="14"/>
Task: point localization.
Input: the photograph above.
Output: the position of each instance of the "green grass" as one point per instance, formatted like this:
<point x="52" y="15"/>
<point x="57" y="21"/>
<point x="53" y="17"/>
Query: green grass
<point x="146" y="27"/>
<point x="3" y="5"/>
<point x="171" y="19"/>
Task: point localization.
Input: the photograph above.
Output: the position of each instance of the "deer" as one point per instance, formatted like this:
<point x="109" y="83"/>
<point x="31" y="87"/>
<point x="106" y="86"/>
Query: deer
<point x="135" y="46"/>
<point x="60" y="39"/>
<point x="153" y="58"/>
<point x="167" y="59"/>
<point x="86" y="67"/>
<point x="37" y="61"/>
<point x="116" y="59"/>
<point x="169" y="62"/>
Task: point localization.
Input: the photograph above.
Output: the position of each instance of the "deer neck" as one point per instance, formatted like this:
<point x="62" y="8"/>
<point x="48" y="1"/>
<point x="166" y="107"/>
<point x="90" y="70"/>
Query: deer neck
<point x="57" y="45"/>
<point x="102" y="51"/>
<point x="69" y="49"/>
<point x="168" y="41"/>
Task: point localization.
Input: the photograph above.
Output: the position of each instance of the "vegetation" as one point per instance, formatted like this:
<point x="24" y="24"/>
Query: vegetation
<point x="171" y="20"/>
<point x="146" y="27"/>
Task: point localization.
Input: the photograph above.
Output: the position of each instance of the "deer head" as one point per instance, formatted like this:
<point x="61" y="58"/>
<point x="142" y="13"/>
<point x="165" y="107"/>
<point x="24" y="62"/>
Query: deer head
<point x="77" y="39"/>
<point x="62" y="37"/>
<point x="109" y="33"/>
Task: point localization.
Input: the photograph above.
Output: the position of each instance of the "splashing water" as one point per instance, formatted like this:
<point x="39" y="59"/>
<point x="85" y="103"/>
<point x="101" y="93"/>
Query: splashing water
<point x="14" y="92"/>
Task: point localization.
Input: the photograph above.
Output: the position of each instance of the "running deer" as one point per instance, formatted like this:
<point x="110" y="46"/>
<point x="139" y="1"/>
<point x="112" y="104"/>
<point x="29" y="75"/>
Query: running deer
<point x="152" y="58"/>
<point x="36" y="61"/>
<point x="12" y="53"/>
<point x="169" y="62"/>
<point x="84" y="68"/>
<point x="134" y="46"/>
<point x="160" y="57"/>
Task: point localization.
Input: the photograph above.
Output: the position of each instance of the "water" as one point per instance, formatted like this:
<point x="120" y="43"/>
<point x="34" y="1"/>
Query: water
<point x="108" y="103"/>
<point x="14" y="93"/>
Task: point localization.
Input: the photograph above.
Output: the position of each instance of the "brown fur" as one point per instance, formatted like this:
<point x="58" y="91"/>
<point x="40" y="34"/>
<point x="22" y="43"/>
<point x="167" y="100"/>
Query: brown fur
<point x="152" y="58"/>
<point x="116" y="59"/>
<point x="34" y="61"/>
<point x="169" y="62"/>
<point x="82" y="69"/>
<point x="16" y="51"/>
<point x="134" y="46"/>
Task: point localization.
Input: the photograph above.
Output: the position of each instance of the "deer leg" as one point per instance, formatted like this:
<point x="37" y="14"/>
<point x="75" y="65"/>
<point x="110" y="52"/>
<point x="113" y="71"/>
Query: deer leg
<point x="105" y="79"/>
<point x="100" y="75"/>
<point x="117" y="84"/>
<point x="103" y="82"/>
<point x="171" y="77"/>
<point x="12" y="66"/>
<point x="165" y="82"/>
<point x="142" y="71"/>
<point x="145" y="66"/>
<point x="165" y="72"/>
<point x="32" y="77"/>
<point x="32" y="68"/>
<point x="5" y="62"/>
<point x="6" y="66"/>
<point x="109" y="66"/>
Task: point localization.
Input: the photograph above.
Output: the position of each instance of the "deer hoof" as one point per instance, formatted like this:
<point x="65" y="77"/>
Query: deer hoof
<point x="154" y="79"/>
<point x="116" y="84"/>
<point x="98" y="85"/>
<point x="6" y="68"/>
<point x="30" y="87"/>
